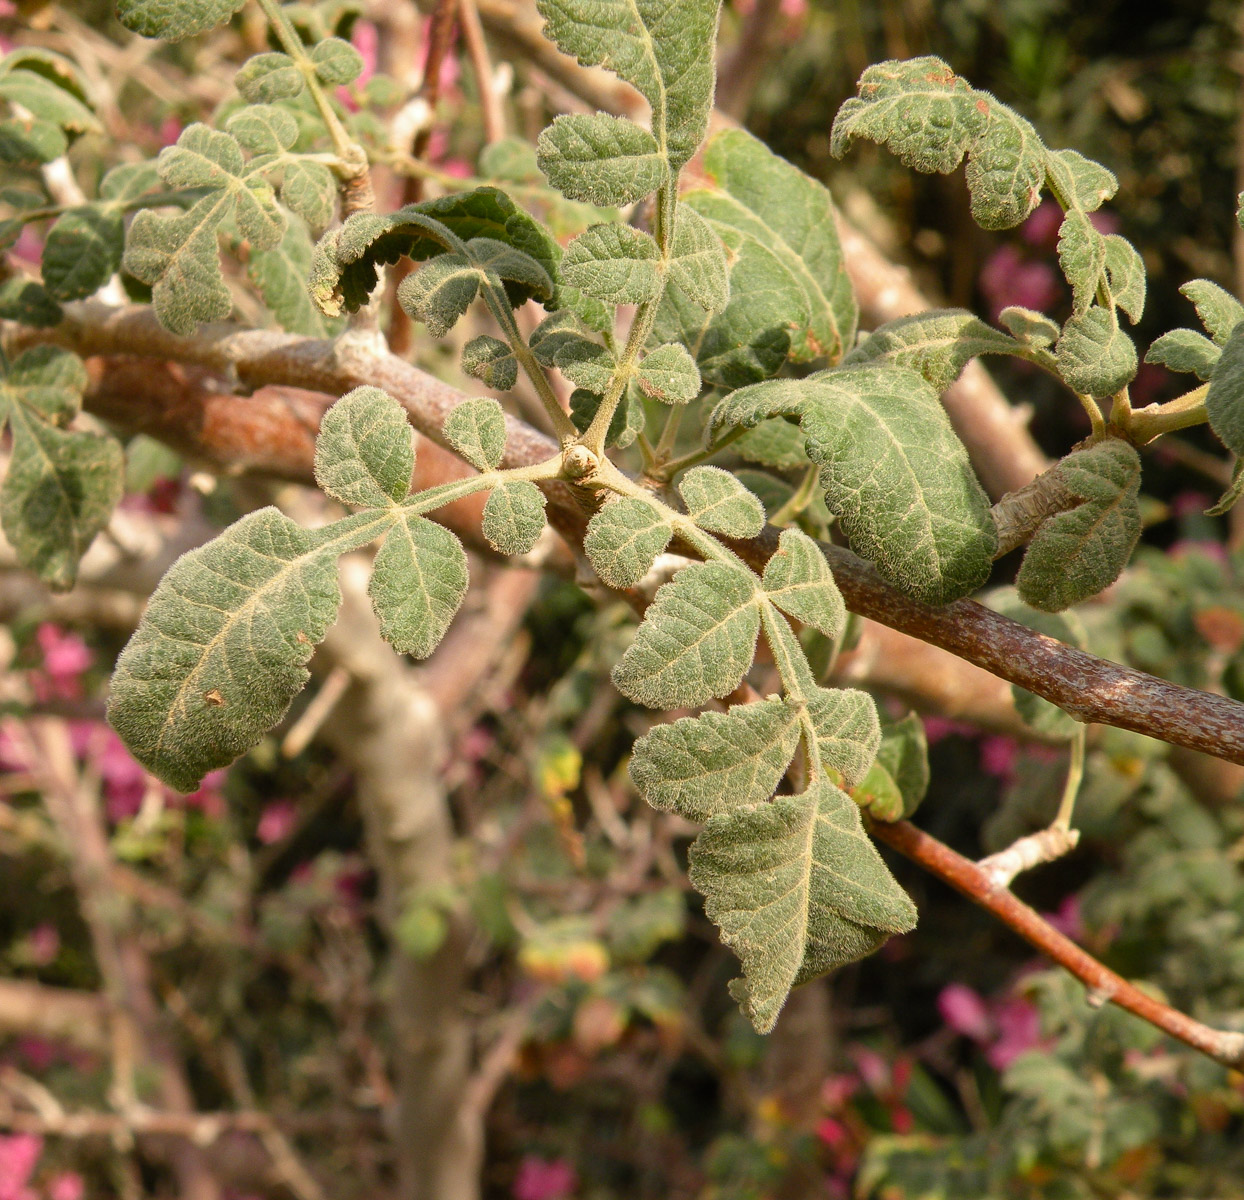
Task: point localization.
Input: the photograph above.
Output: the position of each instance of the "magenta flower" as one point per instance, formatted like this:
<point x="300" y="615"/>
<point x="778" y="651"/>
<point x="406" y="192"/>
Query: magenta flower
<point x="542" y="1179"/>
<point x="1009" y="278"/>
<point x="964" y="1010"/>
<point x="277" y="821"/>
<point x="998" y="755"/>
<point x="66" y="1185"/>
<point x="19" y="1155"/>
<point x="1041" y="228"/>
<point x="1019" y="1030"/>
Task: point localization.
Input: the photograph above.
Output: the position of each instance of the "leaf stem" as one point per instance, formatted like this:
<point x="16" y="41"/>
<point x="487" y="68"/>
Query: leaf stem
<point x="1144" y="424"/>
<point x="670" y="469"/>
<point x="447" y="493"/>
<point x="1075" y="776"/>
<point x="669" y="435"/>
<point x="799" y="499"/>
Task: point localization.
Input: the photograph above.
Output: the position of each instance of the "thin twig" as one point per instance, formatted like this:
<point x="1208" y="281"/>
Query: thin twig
<point x="481" y="64"/>
<point x="1104" y="984"/>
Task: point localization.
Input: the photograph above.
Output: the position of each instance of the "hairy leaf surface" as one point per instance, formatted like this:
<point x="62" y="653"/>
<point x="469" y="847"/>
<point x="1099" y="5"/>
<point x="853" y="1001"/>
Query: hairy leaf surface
<point x="491" y="361"/>
<point x="173" y="20"/>
<point x="1224" y="402"/>
<point x="798" y="580"/>
<point x="1095" y="357"/>
<point x="418" y="582"/>
<point x="476" y="430"/>
<point x="848" y="730"/>
<point x="614" y="263"/>
<point x="668" y="373"/>
<point x="514" y="516"/>
<point x="1219" y="311"/>
<point x="624" y="538"/>
<point x="600" y="159"/>
<point x="1186" y="351"/>
<point x="364" y="455"/>
<point x="716" y="500"/>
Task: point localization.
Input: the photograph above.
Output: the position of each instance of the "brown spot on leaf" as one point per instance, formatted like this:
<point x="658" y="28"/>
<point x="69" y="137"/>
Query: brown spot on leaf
<point x="982" y="106"/>
<point x="213" y="697"/>
<point x="302" y="637"/>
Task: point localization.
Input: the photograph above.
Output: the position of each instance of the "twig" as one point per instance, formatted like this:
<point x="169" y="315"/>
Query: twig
<point x="1027" y="852"/>
<point x="316" y="713"/>
<point x="200" y="1128"/>
<point x="481" y="64"/>
<point x="1104" y="984"/>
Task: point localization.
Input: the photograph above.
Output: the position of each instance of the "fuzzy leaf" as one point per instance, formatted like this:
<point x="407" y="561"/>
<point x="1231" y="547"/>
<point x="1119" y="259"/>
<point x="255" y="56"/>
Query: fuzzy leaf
<point x="1224" y="402"/>
<point x="1231" y="497"/>
<point x="173" y="20"/>
<point x="894" y="472"/>
<point x="269" y="77"/>
<point x="904" y="756"/>
<point x="717" y="501"/>
<point x="559" y="341"/>
<point x="698" y="265"/>
<point x="773" y="443"/>
<point x="936" y="344"/>
<point x="663" y="47"/>
<point x="221" y="649"/>
<point x="1219" y="311"/>
<point x="280" y="274"/>
<point x="476" y="430"/>
<point x="600" y="159"/>
<point x="848" y="732"/>
<point x="798" y="580"/>
<point x="47" y="87"/>
<point x="1186" y="351"/>
<point x="624" y="538"/>
<point x="29" y="142"/>
<point x="514" y="516"/>
<point x="336" y="62"/>
<point x="628" y="419"/>
<point x="614" y="263"/>
<point x="1125" y="270"/>
<point x="1082" y="183"/>
<point x="82" y="251"/>
<point x="491" y="361"/>
<point x="440" y="291"/>
<point x="1075" y="554"/>
<point x="364" y="455"/>
<point x="797" y="889"/>
<point x="511" y="265"/>
<point x="1025" y="325"/>
<point x="1082" y="257"/>
<point x="931" y="118"/>
<point x="668" y="373"/>
<point x="1095" y="357"/>
<point x="308" y="189"/>
<point x="716" y="762"/>
<point x="696" y="641"/>
<point x="28" y="302"/>
<point x="417" y="584"/>
<point x="263" y="128"/>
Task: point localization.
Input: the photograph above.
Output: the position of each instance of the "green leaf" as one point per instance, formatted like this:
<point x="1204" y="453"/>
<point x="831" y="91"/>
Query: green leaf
<point x="698" y="265"/>
<point x="514" y="266"/>
<point x="1095" y="357"/>
<point x="1075" y="554"/>
<point x="1224" y="402"/>
<point x="904" y="755"/>
<point x="559" y="341"/>
<point x="931" y="118"/>
<point x="668" y="373"/>
<point x="1025" y="325"/>
<point x="440" y="291"/>
<point x="336" y="62"/>
<point x="269" y="77"/>
<point x="1186" y="351"/>
<point x="773" y="443"/>
<point x="418" y="582"/>
<point x="600" y="159"/>
<point x="716" y="762"/>
<point x="1228" y="500"/>
<point x="848" y="732"/>
<point x="491" y="361"/>
<point x="28" y="302"/>
<point x="514" y="516"/>
<point x="173" y="20"/>
<point x="29" y="142"/>
<point x="263" y="128"/>
<point x="82" y="252"/>
<point x="476" y="430"/>
<point x="624" y="538"/>
<point x="614" y="263"/>
<point x="628" y="418"/>
<point x="364" y="455"/>
<point x="797" y="579"/>
<point x="718" y="502"/>
<point x="1220" y="312"/>
<point x="280" y="274"/>
<point x="797" y="889"/>
<point x="894" y="473"/>
<point x="309" y="189"/>
<point x="696" y="641"/>
<point x="61" y="485"/>
<point x="1080" y="182"/>
<point x="763" y="207"/>
<point x="663" y="47"/>
<point x="47" y="87"/>
<point x="221" y="649"/>
<point x="936" y="344"/>
<point x="1125" y="270"/>
<point x="1082" y="257"/>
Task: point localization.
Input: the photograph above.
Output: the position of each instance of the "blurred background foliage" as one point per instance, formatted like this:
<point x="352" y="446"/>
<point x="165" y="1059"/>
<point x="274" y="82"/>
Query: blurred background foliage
<point x="953" y="1063"/>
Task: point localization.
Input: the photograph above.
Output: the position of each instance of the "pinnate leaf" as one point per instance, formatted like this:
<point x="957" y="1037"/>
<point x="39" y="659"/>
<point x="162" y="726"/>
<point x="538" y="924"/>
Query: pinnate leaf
<point x="1075" y="554"/>
<point x="514" y="516"/>
<point x="1082" y="257"/>
<point x="308" y="189"/>
<point x="336" y="62"/>
<point x="280" y="274"/>
<point x="716" y="762"/>
<point x="797" y="579"/>
<point x="600" y="159"/>
<point x="440" y="291"/>
<point x="173" y="20"/>
<point x="628" y="418"/>
<point x="418" y="583"/>
<point x="717" y="501"/>
<point x="1080" y="182"/>
<point x="263" y="128"/>
<point x="1095" y="357"/>
<point x="1125" y="271"/>
<point x="615" y="264"/>
<point x="476" y="430"/>
<point x="82" y="252"/>
<point x="668" y="373"/>
<point x="364" y="455"/>
<point x="221" y="649"/>
<point x="698" y="267"/>
<point x="624" y="538"/>
<point x="937" y="344"/>
<point x="559" y="341"/>
<point x="269" y="77"/>
<point x="797" y="889"/>
<point x="1025" y="325"/>
<point x="696" y="641"/>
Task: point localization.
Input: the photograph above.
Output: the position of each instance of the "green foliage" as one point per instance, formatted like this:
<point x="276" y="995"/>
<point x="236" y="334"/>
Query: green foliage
<point x="717" y="501"/>
<point x="601" y="159"/>
<point x="615" y="264"/>
<point x="624" y="538"/>
<point x="62" y="484"/>
<point x="48" y="107"/>
<point x="364" y="456"/>
<point x="669" y="373"/>
<point x="476" y="430"/>
<point x="1095" y="356"/>
<point x="418" y="583"/>
<point x="798" y="581"/>
<point x="514" y="516"/>
<point x="173" y="20"/>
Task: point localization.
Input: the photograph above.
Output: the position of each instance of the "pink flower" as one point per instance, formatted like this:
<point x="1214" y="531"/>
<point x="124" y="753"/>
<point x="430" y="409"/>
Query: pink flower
<point x="65" y="657"/>
<point x="43" y="944"/>
<point x="873" y="1068"/>
<point x="19" y="1155"/>
<point x="965" y="1011"/>
<point x="277" y="821"/>
<point x="1104" y="222"/>
<point x="1067" y="919"/>
<point x="832" y="1133"/>
<point x="1008" y="278"/>
<point x="124" y="781"/>
<point x="837" y="1090"/>
<point x="998" y="755"/>
<point x="1041" y="228"/>
<point x="542" y="1179"/>
<point x="170" y="130"/>
<point x="936" y="728"/>
<point x="1019" y="1030"/>
<point x="209" y="799"/>
<point x="66" y="1185"/>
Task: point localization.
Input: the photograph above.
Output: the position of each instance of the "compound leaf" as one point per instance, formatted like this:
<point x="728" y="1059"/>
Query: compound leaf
<point x="698" y="265"/>
<point x="797" y="889"/>
<point x="82" y="251"/>
<point x="1025" y="325"/>
<point x="848" y="731"/>
<point x="1082" y="257"/>
<point x="440" y="291"/>
<point x="1095" y="357"/>
<point x="797" y="579"/>
<point x="668" y="373"/>
<point x="266" y="78"/>
<point x="696" y="641"/>
<point x="716" y="762"/>
<point x="615" y="264"/>
<point x="476" y="430"/>
<point x="937" y="344"/>
<point x="280" y="274"/>
<point x="600" y="159"/>
<point x="364" y="455"/>
<point x="717" y="501"/>
<point x="308" y="189"/>
<point x="623" y="540"/>
<point x="1075" y="554"/>
<point x="417" y="584"/>
<point x="263" y="128"/>
<point x="221" y="649"/>
<point x="559" y="341"/>
<point x="173" y="20"/>
<point x="1080" y="182"/>
<point x="1125" y="270"/>
<point x="514" y="516"/>
<point x="336" y="62"/>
